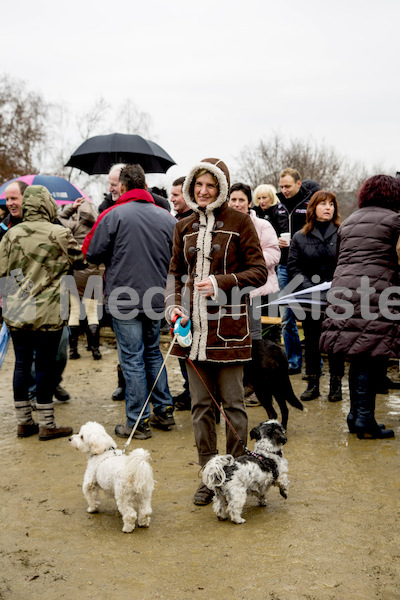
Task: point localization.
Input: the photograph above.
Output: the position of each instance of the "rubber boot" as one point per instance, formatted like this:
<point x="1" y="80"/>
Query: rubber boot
<point x="312" y="390"/>
<point x="26" y="425"/>
<point x="48" y="429"/>
<point x="365" y="425"/>
<point x="352" y="416"/>
<point x="119" y="393"/>
<point x="335" y="389"/>
<point x="93" y="334"/>
<point x="73" y="342"/>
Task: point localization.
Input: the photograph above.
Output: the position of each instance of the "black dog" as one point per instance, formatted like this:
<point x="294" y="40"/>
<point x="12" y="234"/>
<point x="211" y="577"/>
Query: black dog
<point x="268" y="373"/>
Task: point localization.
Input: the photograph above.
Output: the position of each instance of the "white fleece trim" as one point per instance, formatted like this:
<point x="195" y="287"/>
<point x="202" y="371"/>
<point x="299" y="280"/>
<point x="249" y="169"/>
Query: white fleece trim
<point x="204" y="243"/>
<point x="215" y="288"/>
<point x="222" y="183"/>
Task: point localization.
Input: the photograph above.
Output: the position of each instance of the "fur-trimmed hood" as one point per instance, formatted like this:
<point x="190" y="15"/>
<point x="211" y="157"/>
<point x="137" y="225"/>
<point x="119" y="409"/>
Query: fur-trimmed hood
<point x="222" y="184"/>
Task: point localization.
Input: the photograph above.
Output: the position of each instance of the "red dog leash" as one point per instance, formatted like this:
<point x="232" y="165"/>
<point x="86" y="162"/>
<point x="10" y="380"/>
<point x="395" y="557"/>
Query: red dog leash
<point x="218" y="406"/>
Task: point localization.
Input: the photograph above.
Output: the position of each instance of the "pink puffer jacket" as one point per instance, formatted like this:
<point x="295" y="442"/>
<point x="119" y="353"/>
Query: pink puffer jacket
<point x="272" y="254"/>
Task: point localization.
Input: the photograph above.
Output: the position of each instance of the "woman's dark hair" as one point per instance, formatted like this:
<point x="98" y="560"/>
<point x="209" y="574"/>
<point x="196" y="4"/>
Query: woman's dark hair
<point x="380" y="190"/>
<point x="241" y="187"/>
<point x="316" y="199"/>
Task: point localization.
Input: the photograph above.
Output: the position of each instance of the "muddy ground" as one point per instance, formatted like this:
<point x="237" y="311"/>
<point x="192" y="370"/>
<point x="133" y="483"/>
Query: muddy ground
<point x="335" y="537"/>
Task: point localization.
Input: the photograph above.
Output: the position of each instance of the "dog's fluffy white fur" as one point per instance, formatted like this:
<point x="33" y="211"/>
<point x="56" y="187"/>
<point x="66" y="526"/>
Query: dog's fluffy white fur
<point x="128" y="477"/>
<point x="232" y="479"/>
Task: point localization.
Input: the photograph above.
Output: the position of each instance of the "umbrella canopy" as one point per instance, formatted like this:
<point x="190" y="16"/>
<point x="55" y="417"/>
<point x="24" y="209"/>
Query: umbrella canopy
<point x="62" y="191"/>
<point x="99" y="153"/>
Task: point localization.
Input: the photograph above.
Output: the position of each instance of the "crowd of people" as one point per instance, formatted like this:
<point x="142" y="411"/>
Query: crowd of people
<point x="209" y="259"/>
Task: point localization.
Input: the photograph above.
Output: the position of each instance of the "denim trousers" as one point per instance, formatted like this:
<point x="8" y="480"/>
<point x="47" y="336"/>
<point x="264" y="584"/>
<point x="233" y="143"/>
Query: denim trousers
<point x="41" y="347"/>
<point x="138" y="341"/>
<point x="290" y="333"/>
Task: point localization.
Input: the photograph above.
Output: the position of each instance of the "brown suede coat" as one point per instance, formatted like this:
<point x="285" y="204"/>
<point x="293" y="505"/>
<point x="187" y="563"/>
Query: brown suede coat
<point x="223" y="243"/>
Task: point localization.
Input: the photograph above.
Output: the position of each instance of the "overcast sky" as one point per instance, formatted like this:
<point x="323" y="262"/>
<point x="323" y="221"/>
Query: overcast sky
<point x="218" y="75"/>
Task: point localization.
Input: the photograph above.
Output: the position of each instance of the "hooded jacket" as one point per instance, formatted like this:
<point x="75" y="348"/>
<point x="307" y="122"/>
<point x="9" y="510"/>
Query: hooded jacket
<point x="34" y="256"/>
<point x="221" y="243"/>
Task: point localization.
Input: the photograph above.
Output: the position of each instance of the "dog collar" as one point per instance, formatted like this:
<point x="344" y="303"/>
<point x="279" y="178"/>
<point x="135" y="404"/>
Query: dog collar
<point x="260" y="457"/>
<point x="110" y="449"/>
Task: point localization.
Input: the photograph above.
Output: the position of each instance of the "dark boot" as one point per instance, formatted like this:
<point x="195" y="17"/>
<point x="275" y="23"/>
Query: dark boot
<point x="335" y="389"/>
<point x="365" y="425"/>
<point x="352" y="416"/>
<point x="73" y="342"/>
<point x="93" y="334"/>
<point x="203" y="495"/>
<point x="119" y="393"/>
<point x="312" y="390"/>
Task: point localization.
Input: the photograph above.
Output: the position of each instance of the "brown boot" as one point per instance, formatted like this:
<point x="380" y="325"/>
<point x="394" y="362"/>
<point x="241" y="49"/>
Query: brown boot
<point x="48" y="430"/>
<point x="26" y="425"/>
<point x="50" y="433"/>
<point x="203" y="496"/>
<point x="24" y="431"/>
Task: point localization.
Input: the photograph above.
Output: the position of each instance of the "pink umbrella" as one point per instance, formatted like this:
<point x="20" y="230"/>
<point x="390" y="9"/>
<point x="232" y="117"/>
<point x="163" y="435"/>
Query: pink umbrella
<point x="62" y="191"/>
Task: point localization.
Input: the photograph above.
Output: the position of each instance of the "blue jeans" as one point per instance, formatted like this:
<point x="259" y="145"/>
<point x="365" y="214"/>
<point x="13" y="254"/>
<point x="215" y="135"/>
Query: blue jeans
<point x="289" y="326"/>
<point x="140" y="357"/>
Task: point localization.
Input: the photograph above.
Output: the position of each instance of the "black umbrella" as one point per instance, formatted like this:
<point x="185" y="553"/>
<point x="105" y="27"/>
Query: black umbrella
<point x="99" y="153"/>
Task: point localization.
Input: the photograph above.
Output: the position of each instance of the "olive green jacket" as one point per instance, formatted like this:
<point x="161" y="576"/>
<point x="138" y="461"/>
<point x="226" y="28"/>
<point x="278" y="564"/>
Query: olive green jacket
<point x="34" y="257"/>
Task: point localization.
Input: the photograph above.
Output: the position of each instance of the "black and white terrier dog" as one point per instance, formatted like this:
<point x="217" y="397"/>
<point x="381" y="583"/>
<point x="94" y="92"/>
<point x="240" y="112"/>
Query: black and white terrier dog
<point x="231" y="479"/>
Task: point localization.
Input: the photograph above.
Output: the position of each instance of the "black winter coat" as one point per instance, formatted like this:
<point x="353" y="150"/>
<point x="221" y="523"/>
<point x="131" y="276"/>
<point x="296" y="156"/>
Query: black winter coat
<point x="293" y="220"/>
<point x="271" y="215"/>
<point x="313" y="254"/>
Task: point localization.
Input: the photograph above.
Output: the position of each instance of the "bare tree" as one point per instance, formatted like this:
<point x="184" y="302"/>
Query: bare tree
<point x="22" y="128"/>
<point x="130" y="119"/>
<point x="264" y="162"/>
<point x="68" y="130"/>
<point x="93" y="121"/>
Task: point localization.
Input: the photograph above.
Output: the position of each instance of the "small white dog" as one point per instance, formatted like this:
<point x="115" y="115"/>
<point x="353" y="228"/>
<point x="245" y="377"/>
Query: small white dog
<point x="232" y="479"/>
<point x="128" y="477"/>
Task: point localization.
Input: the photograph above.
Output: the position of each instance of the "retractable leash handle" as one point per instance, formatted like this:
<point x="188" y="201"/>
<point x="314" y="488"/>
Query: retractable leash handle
<point x="183" y="332"/>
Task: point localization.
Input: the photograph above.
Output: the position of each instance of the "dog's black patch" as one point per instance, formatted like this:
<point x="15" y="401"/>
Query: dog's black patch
<point x="264" y="462"/>
<point x="229" y="470"/>
<point x="273" y="431"/>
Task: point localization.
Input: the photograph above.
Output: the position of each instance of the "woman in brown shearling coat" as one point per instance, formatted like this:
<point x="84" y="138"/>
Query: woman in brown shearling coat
<point x="216" y="261"/>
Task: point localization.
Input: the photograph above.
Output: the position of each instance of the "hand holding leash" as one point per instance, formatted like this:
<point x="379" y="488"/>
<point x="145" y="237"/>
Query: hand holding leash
<point x="182" y="332"/>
